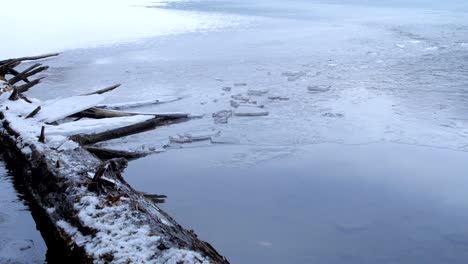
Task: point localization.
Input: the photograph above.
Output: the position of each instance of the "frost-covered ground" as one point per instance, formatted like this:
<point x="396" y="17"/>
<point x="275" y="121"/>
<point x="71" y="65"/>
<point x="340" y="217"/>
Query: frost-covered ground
<point x="392" y="73"/>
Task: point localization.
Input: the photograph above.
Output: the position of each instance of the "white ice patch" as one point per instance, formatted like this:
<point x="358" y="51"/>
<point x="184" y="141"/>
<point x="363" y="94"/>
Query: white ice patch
<point x="95" y="125"/>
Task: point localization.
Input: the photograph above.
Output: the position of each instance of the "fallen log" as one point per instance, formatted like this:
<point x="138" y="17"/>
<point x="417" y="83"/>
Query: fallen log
<point x="29" y="58"/>
<point x="99" y="113"/>
<point x="24" y="74"/>
<point x="105" y="153"/>
<point x="97" y="219"/>
<point x="25" y="87"/>
<point x="85" y="210"/>
<point x="104" y="90"/>
<point x="124" y="131"/>
<point x="135" y="104"/>
<point x="34" y="112"/>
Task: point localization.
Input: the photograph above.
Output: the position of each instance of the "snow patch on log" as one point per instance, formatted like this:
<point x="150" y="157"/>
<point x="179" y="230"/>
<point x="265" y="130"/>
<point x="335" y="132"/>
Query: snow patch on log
<point x="87" y="126"/>
<point x="54" y="110"/>
<point x="111" y="221"/>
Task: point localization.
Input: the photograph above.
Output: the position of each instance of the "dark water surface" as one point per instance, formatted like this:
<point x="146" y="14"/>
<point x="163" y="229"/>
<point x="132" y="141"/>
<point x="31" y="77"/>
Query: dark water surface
<point x="20" y="241"/>
<point x="326" y="203"/>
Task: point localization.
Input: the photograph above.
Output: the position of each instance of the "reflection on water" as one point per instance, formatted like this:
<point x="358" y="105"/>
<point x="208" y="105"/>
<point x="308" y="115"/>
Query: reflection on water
<point x="378" y="203"/>
<point x="20" y="242"/>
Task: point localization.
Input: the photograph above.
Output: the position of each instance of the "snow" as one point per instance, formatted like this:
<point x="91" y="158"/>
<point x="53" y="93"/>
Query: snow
<point x="118" y="228"/>
<point x="89" y="126"/>
<point x="134" y="104"/>
<point x="54" y="110"/>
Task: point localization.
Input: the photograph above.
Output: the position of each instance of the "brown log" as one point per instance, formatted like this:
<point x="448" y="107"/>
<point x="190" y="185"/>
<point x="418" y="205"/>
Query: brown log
<point x="156" y="198"/>
<point x="125" y="131"/>
<point x="25" y="87"/>
<point x="42" y="136"/>
<point x="21" y="96"/>
<point x="14" y="95"/>
<point x="104" y="90"/>
<point x="23" y="75"/>
<point x="33" y="113"/>
<point x="8" y="69"/>
<point x="99" y="113"/>
<point x="29" y="58"/>
<point x="13" y="72"/>
<point x="36" y="71"/>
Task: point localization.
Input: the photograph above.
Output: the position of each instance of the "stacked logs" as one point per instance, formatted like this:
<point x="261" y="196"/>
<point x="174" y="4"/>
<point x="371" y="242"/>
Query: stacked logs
<point x="20" y="82"/>
<point x="79" y="192"/>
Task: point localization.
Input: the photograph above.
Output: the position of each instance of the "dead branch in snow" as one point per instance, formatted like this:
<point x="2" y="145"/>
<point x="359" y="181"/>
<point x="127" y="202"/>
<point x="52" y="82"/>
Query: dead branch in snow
<point x="34" y="112"/>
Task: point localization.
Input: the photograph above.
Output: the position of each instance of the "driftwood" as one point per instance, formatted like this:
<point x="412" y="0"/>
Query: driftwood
<point x="25" y="87"/>
<point x="29" y="58"/>
<point x="42" y="136"/>
<point x="105" y="153"/>
<point x="99" y="113"/>
<point x="84" y="208"/>
<point x="104" y="90"/>
<point x="125" y="131"/>
<point x="34" y="69"/>
<point x="34" y="112"/>
<point x="8" y="67"/>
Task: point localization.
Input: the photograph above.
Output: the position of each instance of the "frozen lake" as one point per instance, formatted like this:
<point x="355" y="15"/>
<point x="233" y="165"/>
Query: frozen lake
<point x="325" y="203"/>
<point x="359" y="155"/>
<point x="20" y="241"/>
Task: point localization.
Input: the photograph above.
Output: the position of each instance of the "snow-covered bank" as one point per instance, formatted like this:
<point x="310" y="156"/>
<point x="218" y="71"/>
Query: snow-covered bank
<point x="54" y="25"/>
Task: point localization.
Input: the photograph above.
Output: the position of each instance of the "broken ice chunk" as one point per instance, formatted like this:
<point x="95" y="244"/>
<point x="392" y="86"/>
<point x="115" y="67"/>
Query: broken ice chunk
<point x="293" y="76"/>
<point x="194" y="136"/>
<point x="336" y="115"/>
<point x="240" y="97"/>
<point x="250" y="111"/>
<point x="222" y="117"/>
<point x="234" y="104"/>
<point x="318" y="88"/>
<point x="278" y="97"/>
<point x="224" y="140"/>
<point x="257" y="92"/>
